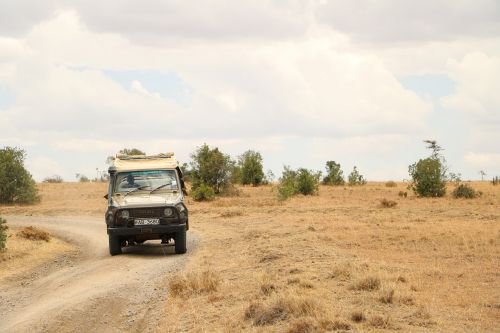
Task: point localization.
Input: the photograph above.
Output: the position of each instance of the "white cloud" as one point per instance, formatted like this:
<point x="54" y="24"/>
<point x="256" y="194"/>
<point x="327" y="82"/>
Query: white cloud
<point x="485" y="161"/>
<point x="398" y="21"/>
<point x="477" y="83"/>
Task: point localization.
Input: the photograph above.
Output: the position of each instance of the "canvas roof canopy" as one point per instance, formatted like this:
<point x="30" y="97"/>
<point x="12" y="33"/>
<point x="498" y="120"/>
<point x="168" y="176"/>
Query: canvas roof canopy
<point x="143" y="162"/>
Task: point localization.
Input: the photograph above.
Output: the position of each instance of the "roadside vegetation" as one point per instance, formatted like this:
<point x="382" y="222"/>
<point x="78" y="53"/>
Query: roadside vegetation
<point x="3" y="234"/>
<point x="16" y="183"/>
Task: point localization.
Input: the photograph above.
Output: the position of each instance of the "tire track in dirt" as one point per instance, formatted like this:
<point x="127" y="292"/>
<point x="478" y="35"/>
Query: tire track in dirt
<point x="94" y="292"/>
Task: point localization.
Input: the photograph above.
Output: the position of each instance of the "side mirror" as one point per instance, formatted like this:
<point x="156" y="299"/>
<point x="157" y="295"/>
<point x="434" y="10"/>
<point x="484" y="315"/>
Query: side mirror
<point x="106" y="196"/>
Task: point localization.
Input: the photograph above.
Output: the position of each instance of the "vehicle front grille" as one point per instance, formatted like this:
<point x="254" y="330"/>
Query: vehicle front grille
<point x="146" y="212"/>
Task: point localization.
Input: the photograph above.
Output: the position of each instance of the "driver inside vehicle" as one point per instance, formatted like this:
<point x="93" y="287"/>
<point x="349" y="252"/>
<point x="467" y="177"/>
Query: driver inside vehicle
<point x="131" y="182"/>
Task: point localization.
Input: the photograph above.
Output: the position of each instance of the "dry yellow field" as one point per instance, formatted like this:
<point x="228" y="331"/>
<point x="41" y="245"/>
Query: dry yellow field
<point x="333" y="262"/>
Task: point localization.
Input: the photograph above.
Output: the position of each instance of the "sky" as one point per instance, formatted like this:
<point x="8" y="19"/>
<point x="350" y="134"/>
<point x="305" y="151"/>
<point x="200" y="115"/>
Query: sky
<point x="359" y="82"/>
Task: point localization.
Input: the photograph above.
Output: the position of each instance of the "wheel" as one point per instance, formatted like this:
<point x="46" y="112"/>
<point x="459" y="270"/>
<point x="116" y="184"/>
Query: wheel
<point x="115" y="246"/>
<point x="180" y="242"/>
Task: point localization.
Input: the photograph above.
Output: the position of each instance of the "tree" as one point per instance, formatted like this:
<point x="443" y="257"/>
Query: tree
<point x="250" y="163"/>
<point x="429" y="174"/>
<point x="334" y="175"/>
<point x="16" y="183"/>
<point x="211" y="167"/>
<point x="482" y="173"/>
<point x="355" y="178"/>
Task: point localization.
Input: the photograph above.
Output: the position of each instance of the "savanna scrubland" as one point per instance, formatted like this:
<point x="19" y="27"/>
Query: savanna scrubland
<point x="340" y="260"/>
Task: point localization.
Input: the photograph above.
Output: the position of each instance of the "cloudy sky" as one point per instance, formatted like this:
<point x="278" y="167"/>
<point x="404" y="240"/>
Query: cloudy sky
<point x="303" y="82"/>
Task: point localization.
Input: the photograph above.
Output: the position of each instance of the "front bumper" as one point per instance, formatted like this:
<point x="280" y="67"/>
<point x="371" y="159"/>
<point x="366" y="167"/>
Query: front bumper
<point x="150" y="229"/>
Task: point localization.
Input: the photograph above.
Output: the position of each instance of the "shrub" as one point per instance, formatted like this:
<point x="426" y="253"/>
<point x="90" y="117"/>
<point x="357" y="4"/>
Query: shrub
<point x="82" y="178"/>
<point x="301" y="181"/>
<point x="53" y="179"/>
<point x="496" y="180"/>
<point x="33" y="233"/>
<point x="250" y="163"/>
<point x="428" y="177"/>
<point x="391" y="184"/>
<point x="212" y="168"/>
<point x="429" y="174"/>
<point x="355" y="178"/>
<point x="3" y="233"/>
<point x="334" y="175"/>
<point x="16" y="183"/>
<point x="464" y="191"/>
<point x="203" y="193"/>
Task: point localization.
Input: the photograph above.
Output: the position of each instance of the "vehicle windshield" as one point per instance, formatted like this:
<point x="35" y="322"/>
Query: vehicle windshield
<point x="147" y="180"/>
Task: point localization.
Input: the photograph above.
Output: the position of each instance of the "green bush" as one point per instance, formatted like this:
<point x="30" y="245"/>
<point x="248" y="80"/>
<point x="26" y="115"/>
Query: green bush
<point x="429" y="178"/>
<point x="211" y="167"/>
<point x="16" y="183"/>
<point x="464" y="191"/>
<point x="429" y="174"/>
<point x="250" y="163"/>
<point x="334" y="175"/>
<point x="203" y="193"/>
<point x="3" y="234"/>
<point x="355" y="178"/>
<point x="301" y="181"/>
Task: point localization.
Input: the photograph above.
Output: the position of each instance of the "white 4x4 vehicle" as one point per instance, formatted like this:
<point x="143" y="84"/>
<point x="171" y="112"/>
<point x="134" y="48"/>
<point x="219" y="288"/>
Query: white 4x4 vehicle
<point x="146" y="202"/>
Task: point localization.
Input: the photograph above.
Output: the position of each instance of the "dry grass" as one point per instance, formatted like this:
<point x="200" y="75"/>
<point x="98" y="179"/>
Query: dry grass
<point x="281" y="308"/>
<point x="391" y="184"/>
<point x="23" y="256"/>
<point x="368" y="283"/>
<point x="439" y="255"/>
<point x="384" y="203"/>
<point x="194" y="283"/>
<point x="369" y="268"/>
<point x="34" y="233"/>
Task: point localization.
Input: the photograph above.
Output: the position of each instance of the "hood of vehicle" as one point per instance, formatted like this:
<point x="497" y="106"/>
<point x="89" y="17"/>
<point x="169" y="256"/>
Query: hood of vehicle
<point x="146" y="200"/>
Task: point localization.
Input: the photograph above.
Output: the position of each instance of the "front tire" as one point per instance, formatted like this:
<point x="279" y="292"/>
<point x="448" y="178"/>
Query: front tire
<point x="180" y="242"/>
<point x="115" y="246"/>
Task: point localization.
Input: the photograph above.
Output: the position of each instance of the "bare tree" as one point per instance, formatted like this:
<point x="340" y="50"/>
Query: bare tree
<point x="482" y="173"/>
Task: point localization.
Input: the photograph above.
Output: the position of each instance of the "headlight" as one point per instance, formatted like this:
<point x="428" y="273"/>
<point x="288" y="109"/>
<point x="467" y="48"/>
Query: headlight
<point x="124" y="214"/>
<point x="168" y="212"/>
<point x="181" y="209"/>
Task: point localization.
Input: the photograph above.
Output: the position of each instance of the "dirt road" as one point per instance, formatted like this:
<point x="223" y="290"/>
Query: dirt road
<point x="92" y="291"/>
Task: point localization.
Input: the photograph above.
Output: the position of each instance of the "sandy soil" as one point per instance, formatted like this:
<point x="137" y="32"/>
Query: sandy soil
<point x="88" y="291"/>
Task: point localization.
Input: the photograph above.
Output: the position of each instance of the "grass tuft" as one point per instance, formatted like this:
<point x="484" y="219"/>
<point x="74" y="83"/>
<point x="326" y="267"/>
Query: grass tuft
<point x="384" y="203"/>
<point x="387" y="296"/>
<point x="358" y="316"/>
<point x="194" y="283"/>
<point x="368" y="283"/>
<point x="33" y="233"/>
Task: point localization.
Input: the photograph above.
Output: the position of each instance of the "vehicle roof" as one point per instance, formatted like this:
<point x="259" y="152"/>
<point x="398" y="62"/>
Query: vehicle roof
<point x="143" y="162"/>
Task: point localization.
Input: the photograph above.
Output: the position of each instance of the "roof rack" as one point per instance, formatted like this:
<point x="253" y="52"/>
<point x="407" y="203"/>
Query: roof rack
<point x="144" y="157"/>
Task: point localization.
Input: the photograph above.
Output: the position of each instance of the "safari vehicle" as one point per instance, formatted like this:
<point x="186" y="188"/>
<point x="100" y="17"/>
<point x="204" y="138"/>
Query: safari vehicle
<point x="145" y="202"/>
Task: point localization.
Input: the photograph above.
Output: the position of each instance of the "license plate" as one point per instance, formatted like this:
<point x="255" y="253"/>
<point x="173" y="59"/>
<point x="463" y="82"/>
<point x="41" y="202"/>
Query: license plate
<point x="146" y="221"/>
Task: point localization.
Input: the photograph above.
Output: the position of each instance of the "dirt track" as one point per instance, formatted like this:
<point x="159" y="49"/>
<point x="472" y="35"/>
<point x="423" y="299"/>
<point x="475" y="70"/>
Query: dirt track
<point x="92" y="291"/>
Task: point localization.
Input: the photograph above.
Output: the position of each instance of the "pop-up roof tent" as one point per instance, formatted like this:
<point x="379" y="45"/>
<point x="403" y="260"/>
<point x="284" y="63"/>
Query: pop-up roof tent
<point x="143" y="162"/>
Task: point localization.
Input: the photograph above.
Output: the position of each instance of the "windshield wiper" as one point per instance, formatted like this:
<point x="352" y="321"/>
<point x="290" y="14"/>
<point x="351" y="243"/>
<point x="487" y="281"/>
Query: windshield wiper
<point x="160" y="187"/>
<point x="136" y="189"/>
